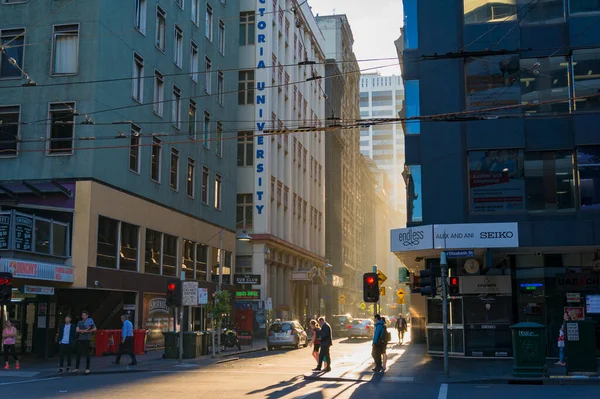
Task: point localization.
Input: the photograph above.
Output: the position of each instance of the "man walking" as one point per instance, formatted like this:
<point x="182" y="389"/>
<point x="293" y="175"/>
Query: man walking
<point x="85" y="328"/>
<point x="401" y="327"/>
<point x="66" y="339"/>
<point x="378" y="343"/>
<point x="126" y="341"/>
<point x="326" y="342"/>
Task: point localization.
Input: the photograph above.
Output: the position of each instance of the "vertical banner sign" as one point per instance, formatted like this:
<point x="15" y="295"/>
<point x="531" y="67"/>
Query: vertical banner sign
<point x="262" y="179"/>
<point x="4" y="231"/>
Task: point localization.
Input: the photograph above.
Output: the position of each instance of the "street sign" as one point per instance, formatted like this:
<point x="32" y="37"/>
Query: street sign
<point x="342" y="299"/>
<point x="381" y="291"/>
<point x="381" y="277"/>
<point x="202" y="296"/>
<point x="400" y="293"/>
<point x="469" y="253"/>
<point x="268" y="304"/>
<point x="189" y="293"/>
<point x="363" y="306"/>
<point x="400" y="301"/>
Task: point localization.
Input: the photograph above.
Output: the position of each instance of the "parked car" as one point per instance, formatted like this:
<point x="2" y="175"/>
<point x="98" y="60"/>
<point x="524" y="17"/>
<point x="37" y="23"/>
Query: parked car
<point x="339" y="325"/>
<point x="361" y="328"/>
<point x="286" y="333"/>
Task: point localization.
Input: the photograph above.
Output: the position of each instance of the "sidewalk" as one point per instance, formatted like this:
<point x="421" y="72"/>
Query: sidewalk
<point x="151" y="361"/>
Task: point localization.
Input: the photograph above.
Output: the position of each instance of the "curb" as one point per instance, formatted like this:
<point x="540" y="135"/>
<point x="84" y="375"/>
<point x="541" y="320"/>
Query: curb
<point x="244" y="352"/>
<point x="528" y="381"/>
<point x="228" y="360"/>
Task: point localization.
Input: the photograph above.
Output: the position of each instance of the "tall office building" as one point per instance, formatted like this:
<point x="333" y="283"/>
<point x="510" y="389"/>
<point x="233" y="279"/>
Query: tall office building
<point x="383" y="97"/>
<point x="113" y="177"/>
<point x="281" y="188"/>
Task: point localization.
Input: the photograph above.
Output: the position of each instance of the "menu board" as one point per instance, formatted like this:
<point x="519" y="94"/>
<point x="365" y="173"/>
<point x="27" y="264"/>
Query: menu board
<point x="592" y="303"/>
<point x="4" y="231"/>
<point x="23" y="233"/>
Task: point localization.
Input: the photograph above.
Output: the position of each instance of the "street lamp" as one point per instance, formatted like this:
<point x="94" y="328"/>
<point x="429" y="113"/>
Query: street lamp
<point x="244" y="237"/>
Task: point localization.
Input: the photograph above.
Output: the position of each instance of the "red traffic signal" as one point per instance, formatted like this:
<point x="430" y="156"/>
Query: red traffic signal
<point x="6" y="281"/>
<point x="453" y="280"/>
<point x="171" y="287"/>
<point x="453" y="285"/>
<point x="370" y="280"/>
<point x="174" y="292"/>
<point x="370" y="288"/>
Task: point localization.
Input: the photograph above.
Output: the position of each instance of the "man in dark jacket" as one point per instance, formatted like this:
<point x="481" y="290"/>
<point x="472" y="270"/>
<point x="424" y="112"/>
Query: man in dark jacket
<point x="66" y="340"/>
<point x="326" y="342"/>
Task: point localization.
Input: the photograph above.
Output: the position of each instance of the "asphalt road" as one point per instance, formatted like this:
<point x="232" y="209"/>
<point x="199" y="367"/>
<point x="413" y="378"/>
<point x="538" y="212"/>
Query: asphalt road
<point x="278" y="374"/>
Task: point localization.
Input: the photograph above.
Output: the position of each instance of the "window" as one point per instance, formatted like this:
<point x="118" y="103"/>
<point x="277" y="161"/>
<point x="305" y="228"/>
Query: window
<point x="244" y="211"/>
<point x="16" y="38"/>
<point x="220" y="87"/>
<point x="541" y="12"/>
<point x="65" y="49"/>
<point x="196" y="12"/>
<point x="245" y="87"/>
<point x="189" y="255"/>
<point x="137" y="86"/>
<point x="218" y="184"/>
<point x="584" y="6"/>
<point x="588" y="162"/>
<point x="156" y="158"/>
<point x="221" y="37"/>
<point x="219" y="139"/>
<point x="140" y="16"/>
<point x="201" y="262"/>
<point x="128" y="254"/>
<point x="496" y="182"/>
<point x="206" y="130"/>
<point x="491" y="82"/>
<point x="207" y="74"/>
<point x="549" y="181"/>
<point x="586" y="73"/>
<point x="544" y="79"/>
<point x="245" y="149"/>
<point x="159" y="93"/>
<point x="62" y="127"/>
<point x="134" y="148"/>
<point x="247" y="21"/>
<point x="179" y="3"/>
<point x="192" y="119"/>
<point x="169" y="263"/>
<point x="161" y="28"/>
<point x="153" y="252"/>
<point x="174" y="170"/>
<point x="194" y="62"/>
<point x="107" y="242"/>
<point x="414" y="197"/>
<point x="176" y="107"/>
<point x="178" y="47"/>
<point x="190" y="181"/>
<point x="486" y="11"/>
<point x="209" y="22"/>
<point x="9" y="130"/>
<point x="205" y="182"/>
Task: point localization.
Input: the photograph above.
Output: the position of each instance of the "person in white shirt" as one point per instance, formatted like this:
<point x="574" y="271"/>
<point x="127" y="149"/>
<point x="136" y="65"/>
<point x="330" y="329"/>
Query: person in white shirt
<point x="66" y="340"/>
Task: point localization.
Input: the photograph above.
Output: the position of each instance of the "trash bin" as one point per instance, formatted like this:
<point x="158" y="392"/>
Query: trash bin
<point x="529" y="347"/>
<point x="580" y="347"/>
<point x="171" y="345"/>
<point x="205" y="343"/>
<point x="102" y="338"/>
<point x="192" y="344"/>
<point x="139" y="342"/>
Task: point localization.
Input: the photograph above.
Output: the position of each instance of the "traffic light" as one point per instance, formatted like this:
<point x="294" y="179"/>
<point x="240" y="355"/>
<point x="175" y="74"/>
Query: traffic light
<point x="402" y="275"/>
<point x="453" y="285"/>
<point x="174" y="295"/>
<point x="427" y="286"/>
<point x="6" y="280"/>
<point x="370" y="287"/>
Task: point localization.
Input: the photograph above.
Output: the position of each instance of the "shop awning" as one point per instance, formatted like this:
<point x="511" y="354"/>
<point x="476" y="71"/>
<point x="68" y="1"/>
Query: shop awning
<point x="40" y="188"/>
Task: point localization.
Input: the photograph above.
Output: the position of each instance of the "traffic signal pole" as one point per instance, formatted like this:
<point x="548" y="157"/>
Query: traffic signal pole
<point x="444" y="267"/>
<point x="375" y="305"/>
<point x="181" y="325"/>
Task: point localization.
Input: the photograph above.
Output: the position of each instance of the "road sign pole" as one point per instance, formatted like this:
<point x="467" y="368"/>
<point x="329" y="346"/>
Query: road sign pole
<point x="181" y="323"/>
<point x="444" y="267"/>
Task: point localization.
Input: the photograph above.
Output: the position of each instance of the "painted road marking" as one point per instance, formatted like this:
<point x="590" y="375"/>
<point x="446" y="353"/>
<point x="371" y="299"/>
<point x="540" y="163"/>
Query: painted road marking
<point x="397" y="379"/>
<point x="28" y="381"/>
<point x="22" y="374"/>
<point x="443" y="391"/>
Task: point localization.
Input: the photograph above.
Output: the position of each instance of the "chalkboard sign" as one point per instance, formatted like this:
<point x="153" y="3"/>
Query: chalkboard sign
<point x="4" y="231"/>
<point x="23" y="233"/>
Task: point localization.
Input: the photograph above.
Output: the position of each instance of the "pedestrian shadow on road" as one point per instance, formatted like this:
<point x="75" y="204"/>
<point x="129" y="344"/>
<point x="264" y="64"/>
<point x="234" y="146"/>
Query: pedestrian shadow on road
<point x="282" y="388"/>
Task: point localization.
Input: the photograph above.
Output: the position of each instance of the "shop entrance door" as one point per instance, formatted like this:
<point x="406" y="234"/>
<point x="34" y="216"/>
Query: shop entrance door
<point x="22" y="315"/>
<point x="435" y="332"/>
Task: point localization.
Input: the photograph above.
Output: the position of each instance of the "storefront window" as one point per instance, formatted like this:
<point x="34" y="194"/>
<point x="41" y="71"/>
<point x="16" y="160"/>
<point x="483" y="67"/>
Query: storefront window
<point x="201" y="262"/>
<point x="492" y="82"/>
<point x="588" y="163"/>
<point x="189" y="252"/>
<point x="169" y="256"/>
<point x="153" y="252"/>
<point x="590" y="7"/>
<point x="541" y="12"/>
<point x="542" y="80"/>
<point x="129" y="247"/>
<point x="549" y="181"/>
<point x="107" y="242"/>
<point x="496" y="181"/>
<point x="586" y="71"/>
<point x="487" y="11"/>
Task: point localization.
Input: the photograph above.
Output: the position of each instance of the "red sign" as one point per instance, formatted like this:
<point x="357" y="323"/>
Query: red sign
<point x="22" y="269"/>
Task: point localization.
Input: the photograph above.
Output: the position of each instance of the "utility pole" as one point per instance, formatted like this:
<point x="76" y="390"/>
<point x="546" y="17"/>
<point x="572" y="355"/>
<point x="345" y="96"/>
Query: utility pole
<point x="181" y="325"/>
<point x="444" y="270"/>
<point x="220" y="281"/>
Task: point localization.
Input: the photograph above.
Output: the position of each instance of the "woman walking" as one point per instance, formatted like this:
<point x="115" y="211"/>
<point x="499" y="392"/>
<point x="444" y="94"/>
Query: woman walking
<point x="315" y="343"/>
<point x="9" y="334"/>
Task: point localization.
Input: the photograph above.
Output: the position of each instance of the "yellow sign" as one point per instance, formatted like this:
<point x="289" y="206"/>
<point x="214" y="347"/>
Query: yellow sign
<point x="382" y="291"/>
<point x="363" y="306"/>
<point x="342" y="299"/>
<point x="400" y="301"/>
<point x="381" y="277"/>
<point x="400" y="293"/>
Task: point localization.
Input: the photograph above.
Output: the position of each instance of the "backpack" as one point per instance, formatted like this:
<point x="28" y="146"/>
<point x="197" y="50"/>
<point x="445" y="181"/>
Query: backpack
<point x="385" y="336"/>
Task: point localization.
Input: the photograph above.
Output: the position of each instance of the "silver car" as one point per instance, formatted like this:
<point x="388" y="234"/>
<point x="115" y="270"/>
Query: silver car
<point x="361" y="328"/>
<point x="286" y="333"/>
